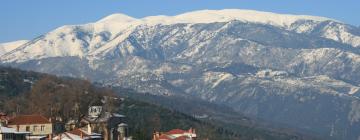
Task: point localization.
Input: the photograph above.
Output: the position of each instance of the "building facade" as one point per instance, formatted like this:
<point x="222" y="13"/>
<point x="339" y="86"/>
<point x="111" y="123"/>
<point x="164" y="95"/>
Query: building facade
<point x="37" y="125"/>
<point x="7" y="133"/>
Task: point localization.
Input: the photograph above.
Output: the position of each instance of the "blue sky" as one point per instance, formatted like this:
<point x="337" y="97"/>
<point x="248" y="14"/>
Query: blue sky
<point x="27" y="19"/>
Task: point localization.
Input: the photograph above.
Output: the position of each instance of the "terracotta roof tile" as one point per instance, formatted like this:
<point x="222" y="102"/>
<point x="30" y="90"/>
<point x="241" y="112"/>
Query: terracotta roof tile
<point x="28" y="119"/>
<point x="182" y="138"/>
<point x="176" y="131"/>
<point x="79" y="132"/>
<point x="164" y="137"/>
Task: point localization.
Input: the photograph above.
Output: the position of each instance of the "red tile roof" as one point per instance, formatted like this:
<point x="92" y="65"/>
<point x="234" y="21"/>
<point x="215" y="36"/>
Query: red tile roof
<point x="176" y="131"/>
<point x="28" y="119"/>
<point x="176" y="134"/>
<point x="79" y="132"/>
<point x="182" y="138"/>
<point x="3" y="117"/>
<point x="164" y="137"/>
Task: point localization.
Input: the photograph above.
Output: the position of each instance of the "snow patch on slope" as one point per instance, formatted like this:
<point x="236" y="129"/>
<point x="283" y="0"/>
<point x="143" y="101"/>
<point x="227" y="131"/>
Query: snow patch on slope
<point x="215" y="78"/>
<point x="210" y="16"/>
<point x="353" y="90"/>
<point x="7" y="47"/>
<point x="339" y="32"/>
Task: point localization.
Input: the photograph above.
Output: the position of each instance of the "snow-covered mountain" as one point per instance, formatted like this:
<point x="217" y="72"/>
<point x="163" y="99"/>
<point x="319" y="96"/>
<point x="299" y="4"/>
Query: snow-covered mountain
<point x="91" y="39"/>
<point x="267" y="65"/>
<point x="7" y="47"/>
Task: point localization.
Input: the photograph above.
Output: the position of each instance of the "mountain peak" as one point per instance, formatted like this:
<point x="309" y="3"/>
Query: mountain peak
<point x="206" y="16"/>
<point x="209" y="16"/>
<point x="117" y="17"/>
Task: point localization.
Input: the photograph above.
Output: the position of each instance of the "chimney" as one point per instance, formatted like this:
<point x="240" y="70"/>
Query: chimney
<point x="156" y="135"/>
<point x="89" y="129"/>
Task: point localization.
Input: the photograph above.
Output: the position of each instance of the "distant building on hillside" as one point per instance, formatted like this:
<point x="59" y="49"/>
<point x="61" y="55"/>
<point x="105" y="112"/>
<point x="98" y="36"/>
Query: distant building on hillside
<point x="111" y="125"/>
<point x="176" y="134"/>
<point x="39" y="126"/>
<point x="99" y="120"/>
<point x="95" y="111"/>
<point x="4" y="118"/>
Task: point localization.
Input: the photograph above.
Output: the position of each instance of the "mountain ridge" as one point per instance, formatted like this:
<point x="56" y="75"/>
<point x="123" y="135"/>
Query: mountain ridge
<point x="117" y="27"/>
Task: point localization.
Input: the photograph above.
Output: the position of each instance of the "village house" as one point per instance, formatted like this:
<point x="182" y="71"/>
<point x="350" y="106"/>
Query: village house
<point x="7" y="133"/>
<point x="109" y="125"/>
<point x="79" y="134"/>
<point x="176" y="134"/>
<point x="39" y="126"/>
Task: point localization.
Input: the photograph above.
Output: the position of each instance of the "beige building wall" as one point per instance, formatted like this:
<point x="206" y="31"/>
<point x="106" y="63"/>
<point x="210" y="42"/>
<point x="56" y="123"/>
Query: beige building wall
<point x="35" y="129"/>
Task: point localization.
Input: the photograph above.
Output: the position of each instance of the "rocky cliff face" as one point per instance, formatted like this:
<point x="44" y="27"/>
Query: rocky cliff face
<point x="301" y="71"/>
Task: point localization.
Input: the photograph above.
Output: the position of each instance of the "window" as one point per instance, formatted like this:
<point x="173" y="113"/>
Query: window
<point x="8" y="136"/>
<point x="27" y="128"/>
<point x="35" y="128"/>
<point x="42" y="128"/>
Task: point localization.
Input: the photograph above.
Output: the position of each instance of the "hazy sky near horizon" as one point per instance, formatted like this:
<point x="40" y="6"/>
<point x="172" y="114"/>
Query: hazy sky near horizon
<point x="27" y="19"/>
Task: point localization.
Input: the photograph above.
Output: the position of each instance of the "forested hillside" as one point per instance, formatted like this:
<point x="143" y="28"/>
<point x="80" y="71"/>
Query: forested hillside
<point x="24" y="92"/>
